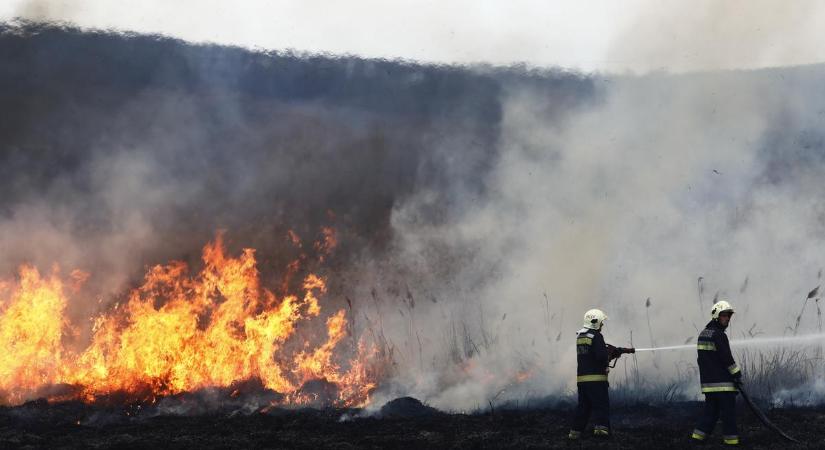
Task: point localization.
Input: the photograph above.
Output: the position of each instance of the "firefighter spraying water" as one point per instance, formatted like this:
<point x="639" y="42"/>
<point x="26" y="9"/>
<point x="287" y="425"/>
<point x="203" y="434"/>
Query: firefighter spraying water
<point x="721" y="377"/>
<point x="593" y="357"/>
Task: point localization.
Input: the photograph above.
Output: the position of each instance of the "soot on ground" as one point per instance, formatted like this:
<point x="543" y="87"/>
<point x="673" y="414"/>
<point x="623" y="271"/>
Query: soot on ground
<point x="406" y="422"/>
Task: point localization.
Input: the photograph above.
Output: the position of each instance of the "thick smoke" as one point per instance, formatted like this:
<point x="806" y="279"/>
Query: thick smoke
<point x="138" y="146"/>
<point x="662" y="181"/>
<point x="121" y="152"/>
<point x="480" y="211"/>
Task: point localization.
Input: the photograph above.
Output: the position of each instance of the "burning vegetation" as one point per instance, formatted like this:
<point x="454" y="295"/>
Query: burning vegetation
<point x="182" y="332"/>
<point x="464" y="198"/>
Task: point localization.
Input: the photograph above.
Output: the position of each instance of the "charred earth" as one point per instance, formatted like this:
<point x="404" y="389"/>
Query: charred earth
<point x="184" y="422"/>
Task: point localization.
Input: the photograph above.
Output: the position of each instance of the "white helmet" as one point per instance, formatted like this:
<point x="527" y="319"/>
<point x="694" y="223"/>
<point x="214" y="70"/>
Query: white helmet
<point x="594" y="319"/>
<point x="720" y="307"/>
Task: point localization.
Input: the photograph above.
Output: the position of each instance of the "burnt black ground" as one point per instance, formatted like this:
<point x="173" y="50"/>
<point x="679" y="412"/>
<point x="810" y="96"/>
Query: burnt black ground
<point x="39" y="425"/>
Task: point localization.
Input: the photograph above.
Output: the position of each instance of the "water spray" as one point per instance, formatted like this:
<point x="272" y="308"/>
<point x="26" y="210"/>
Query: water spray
<point x="747" y="342"/>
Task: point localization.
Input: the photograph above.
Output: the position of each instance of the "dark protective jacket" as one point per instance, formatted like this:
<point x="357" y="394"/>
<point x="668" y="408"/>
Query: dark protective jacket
<point x="717" y="369"/>
<point x="591" y="355"/>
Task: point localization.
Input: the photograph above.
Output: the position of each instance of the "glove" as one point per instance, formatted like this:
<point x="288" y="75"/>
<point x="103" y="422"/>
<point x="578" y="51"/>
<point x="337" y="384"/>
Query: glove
<point x="612" y="352"/>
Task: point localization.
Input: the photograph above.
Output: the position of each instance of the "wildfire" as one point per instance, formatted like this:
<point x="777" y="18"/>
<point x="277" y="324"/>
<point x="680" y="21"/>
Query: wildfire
<point x="180" y="333"/>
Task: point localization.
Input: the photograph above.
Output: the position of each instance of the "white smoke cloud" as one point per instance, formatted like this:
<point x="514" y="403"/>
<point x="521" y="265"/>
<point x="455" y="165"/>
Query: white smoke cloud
<point x="710" y="35"/>
<point x="664" y="180"/>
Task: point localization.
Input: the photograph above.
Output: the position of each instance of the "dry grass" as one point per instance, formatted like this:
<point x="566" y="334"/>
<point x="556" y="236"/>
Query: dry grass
<point x="768" y="373"/>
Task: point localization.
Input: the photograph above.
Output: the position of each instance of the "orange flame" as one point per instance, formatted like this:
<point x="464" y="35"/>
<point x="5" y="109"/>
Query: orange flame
<point x="31" y="327"/>
<point x="178" y="333"/>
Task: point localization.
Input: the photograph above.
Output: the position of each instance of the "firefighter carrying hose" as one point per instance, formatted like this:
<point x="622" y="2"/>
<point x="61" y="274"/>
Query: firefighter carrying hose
<point x="593" y="357"/>
<point x="719" y="376"/>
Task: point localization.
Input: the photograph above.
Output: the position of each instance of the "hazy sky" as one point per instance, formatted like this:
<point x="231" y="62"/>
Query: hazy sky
<point x="602" y="35"/>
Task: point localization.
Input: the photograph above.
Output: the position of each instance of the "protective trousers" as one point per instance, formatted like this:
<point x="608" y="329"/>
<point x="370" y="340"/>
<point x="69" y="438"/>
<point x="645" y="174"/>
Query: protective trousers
<point x="593" y="398"/>
<point x="718" y="404"/>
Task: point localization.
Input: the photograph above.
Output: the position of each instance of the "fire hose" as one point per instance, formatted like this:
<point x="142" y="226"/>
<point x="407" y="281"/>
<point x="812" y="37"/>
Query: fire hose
<point x="768" y="340"/>
<point x="762" y="417"/>
<point x="616" y="352"/>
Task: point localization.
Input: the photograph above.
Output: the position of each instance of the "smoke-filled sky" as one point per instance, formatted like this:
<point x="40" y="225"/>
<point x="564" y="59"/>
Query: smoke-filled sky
<point x="603" y="35"/>
<point x="481" y="210"/>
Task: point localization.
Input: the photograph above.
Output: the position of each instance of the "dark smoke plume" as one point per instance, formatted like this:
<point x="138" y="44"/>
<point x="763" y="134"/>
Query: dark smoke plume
<point x="117" y="144"/>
